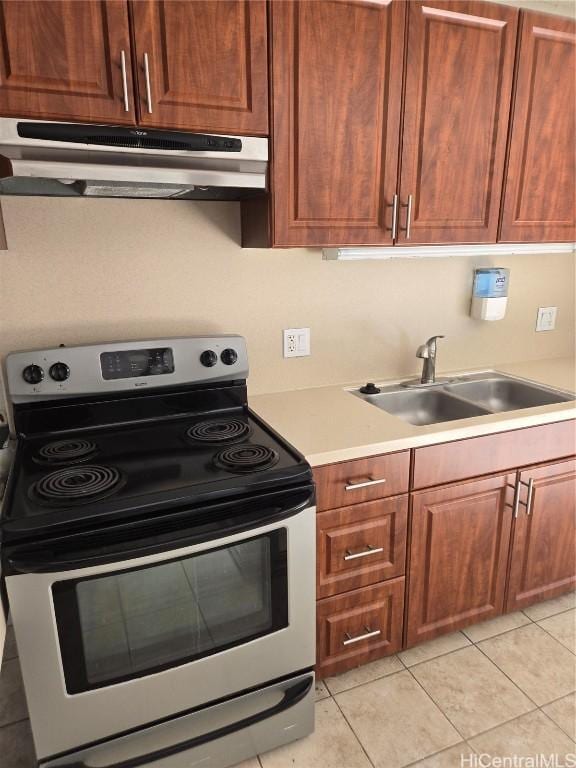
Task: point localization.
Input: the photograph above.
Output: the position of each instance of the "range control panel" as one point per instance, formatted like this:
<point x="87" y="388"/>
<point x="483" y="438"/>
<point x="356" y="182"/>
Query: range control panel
<point x="100" y="368"/>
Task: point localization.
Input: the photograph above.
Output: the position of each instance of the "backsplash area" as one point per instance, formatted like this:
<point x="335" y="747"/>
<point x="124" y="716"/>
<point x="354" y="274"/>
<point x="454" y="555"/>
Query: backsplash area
<point x="78" y="271"/>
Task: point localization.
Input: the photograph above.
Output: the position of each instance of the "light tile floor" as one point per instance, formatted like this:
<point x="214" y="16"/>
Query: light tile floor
<point x="502" y="688"/>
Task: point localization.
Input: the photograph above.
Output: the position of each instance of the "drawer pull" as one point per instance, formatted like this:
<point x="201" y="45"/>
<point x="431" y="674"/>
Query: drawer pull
<point x="363" y="484"/>
<point x="369" y="633"/>
<point x="370" y="550"/>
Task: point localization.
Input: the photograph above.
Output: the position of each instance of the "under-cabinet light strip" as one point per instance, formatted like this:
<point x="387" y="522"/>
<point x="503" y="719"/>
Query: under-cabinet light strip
<point x="445" y="251"/>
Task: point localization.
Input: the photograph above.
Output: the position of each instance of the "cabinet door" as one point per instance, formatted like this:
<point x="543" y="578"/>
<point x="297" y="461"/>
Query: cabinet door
<point x="336" y="90"/>
<point x="458" y="555"/>
<point x="539" y="197"/>
<point x="543" y="562"/>
<point x="460" y="62"/>
<point x="65" y="60"/>
<point x="202" y="65"/>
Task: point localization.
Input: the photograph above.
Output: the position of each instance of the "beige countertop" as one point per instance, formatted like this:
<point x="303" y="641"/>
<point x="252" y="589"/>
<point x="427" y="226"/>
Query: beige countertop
<point x="328" y="424"/>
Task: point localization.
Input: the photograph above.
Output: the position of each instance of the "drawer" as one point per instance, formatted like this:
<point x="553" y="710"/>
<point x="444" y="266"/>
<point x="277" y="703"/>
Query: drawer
<point x="353" y="482"/>
<point x="491" y="454"/>
<point x="359" y="627"/>
<point x="360" y="545"/>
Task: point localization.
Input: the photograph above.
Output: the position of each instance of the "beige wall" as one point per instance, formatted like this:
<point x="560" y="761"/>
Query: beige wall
<point x="91" y="270"/>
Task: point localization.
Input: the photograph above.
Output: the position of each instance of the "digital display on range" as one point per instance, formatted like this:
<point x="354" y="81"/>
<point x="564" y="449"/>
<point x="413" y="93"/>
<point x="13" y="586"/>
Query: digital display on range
<point x="132" y="363"/>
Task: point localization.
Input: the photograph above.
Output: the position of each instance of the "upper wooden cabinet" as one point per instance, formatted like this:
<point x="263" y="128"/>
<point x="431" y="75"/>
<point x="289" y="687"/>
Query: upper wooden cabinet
<point x="202" y="65"/>
<point x="195" y="66"/>
<point x="341" y="118"/>
<point x="64" y="60"/>
<point x="336" y="91"/>
<point x="539" y="197"/>
<point x="459" y="68"/>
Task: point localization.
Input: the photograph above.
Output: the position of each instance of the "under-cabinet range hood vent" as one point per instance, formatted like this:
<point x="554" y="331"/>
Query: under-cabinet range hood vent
<point x="75" y="160"/>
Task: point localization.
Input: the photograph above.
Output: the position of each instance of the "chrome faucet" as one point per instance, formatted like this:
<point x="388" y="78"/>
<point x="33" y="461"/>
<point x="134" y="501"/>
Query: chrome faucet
<point x="428" y="353"/>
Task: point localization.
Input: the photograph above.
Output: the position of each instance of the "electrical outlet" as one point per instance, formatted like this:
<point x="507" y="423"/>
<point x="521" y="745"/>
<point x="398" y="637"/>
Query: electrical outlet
<point x="296" y="342"/>
<point x="546" y="320"/>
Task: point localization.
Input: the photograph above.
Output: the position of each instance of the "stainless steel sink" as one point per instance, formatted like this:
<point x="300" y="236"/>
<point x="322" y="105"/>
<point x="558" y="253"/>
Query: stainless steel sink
<point x="463" y="397"/>
<point x="499" y="394"/>
<point x="425" y="406"/>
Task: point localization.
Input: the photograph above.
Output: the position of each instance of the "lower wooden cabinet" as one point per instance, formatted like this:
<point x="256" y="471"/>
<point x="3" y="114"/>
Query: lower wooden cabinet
<point x="476" y="528"/>
<point x="543" y="560"/>
<point x="458" y="555"/>
<point x="358" y="627"/>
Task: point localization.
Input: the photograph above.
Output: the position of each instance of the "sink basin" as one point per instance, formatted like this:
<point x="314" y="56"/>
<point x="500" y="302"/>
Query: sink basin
<point x="463" y="398"/>
<point x="420" y="407"/>
<point x="503" y="394"/>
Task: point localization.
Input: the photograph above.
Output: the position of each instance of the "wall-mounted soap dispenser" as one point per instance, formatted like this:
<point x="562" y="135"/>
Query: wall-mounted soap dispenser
<point x="490" y="293"/>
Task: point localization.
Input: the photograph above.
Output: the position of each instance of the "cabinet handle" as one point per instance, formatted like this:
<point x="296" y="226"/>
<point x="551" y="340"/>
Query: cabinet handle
<point x="409" y="217"/>
<point x="370" y="550"/>
<point x="394" y="217"/>
<point x="528" y="502"/>
<point x="369" y="633"/>
<point x="516" y="504"/>
<point x="364" y="484"/>
<point x="148" y="88"/>
<point x="124" y="81"/>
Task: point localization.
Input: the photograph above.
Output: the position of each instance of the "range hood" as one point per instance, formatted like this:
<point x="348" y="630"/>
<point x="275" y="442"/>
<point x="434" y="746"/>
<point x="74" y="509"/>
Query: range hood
<point x="76" y="160"/>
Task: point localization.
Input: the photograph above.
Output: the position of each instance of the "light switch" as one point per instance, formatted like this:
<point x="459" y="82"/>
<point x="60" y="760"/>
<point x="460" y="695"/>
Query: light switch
<point x="546" y="320"/>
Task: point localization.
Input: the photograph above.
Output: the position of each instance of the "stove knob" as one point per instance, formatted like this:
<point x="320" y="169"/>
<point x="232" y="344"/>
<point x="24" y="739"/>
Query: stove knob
<point x="32" y="374"/>
<point x="208" y="358"/>
<point x="229" y="356"/>
<point x="59" y="372"/>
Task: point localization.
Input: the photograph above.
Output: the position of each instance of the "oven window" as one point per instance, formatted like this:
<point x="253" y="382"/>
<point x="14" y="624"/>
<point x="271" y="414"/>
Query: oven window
<point x="130" y="623"/>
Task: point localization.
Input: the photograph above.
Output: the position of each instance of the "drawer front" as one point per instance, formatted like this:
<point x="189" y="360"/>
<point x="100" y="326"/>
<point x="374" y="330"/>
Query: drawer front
<point x="361" y="545"/>
<point x="491" y="454"/>
<point x="359" y="627"/>
<point x="353" y="482"/>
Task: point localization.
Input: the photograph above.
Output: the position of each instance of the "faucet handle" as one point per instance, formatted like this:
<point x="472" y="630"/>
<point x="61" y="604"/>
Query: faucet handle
<point x="429" y="349"/>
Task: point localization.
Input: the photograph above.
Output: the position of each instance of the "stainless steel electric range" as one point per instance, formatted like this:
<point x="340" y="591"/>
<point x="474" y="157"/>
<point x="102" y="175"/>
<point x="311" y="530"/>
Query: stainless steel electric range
<point x="158" y="541"/>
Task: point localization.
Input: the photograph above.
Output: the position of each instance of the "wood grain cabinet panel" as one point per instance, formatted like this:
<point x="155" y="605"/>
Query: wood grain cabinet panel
<point x="62" y="60"/>
<point x="460" y="459"/>
<point x="359" y="627"/>
<point x="360" y="480"/>
<point x="361" y="545"/>
<point x="207" y="65"/>
<point x="460" y="62"/>
<point x="543" y="562"/>
<point x="336" y="93"/>
<point x="458" y="556"/>
<point x="540" y="186"/>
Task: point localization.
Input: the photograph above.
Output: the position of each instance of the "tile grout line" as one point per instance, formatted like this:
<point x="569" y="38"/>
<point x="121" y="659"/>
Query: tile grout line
<point x="353" y="731"/>
<point x="543" y="618"/>
<point x="444" y="653"/>
<point x="14" y="722"/>
<point x="440" y="751"/>
<point x="536" y="705"/>
<point x="555" y="638"/>
<point x="492" y="727"/>
<point x="541" y="709"/>
<point x="437" y="705"/>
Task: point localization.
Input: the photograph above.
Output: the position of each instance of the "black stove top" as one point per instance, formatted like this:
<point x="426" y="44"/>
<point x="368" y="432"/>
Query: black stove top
<point x="81" y="477"/>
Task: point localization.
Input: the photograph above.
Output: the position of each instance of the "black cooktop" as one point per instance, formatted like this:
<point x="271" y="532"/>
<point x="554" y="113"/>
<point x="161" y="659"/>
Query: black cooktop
<point x="73" y="479"/>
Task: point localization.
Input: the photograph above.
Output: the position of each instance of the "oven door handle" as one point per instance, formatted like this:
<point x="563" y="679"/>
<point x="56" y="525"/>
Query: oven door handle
<point x="291" y="697"/>
<point x="39" y="558"/>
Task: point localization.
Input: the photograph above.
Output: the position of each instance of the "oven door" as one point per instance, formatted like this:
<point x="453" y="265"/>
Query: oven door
<point x="110" y="647"/>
